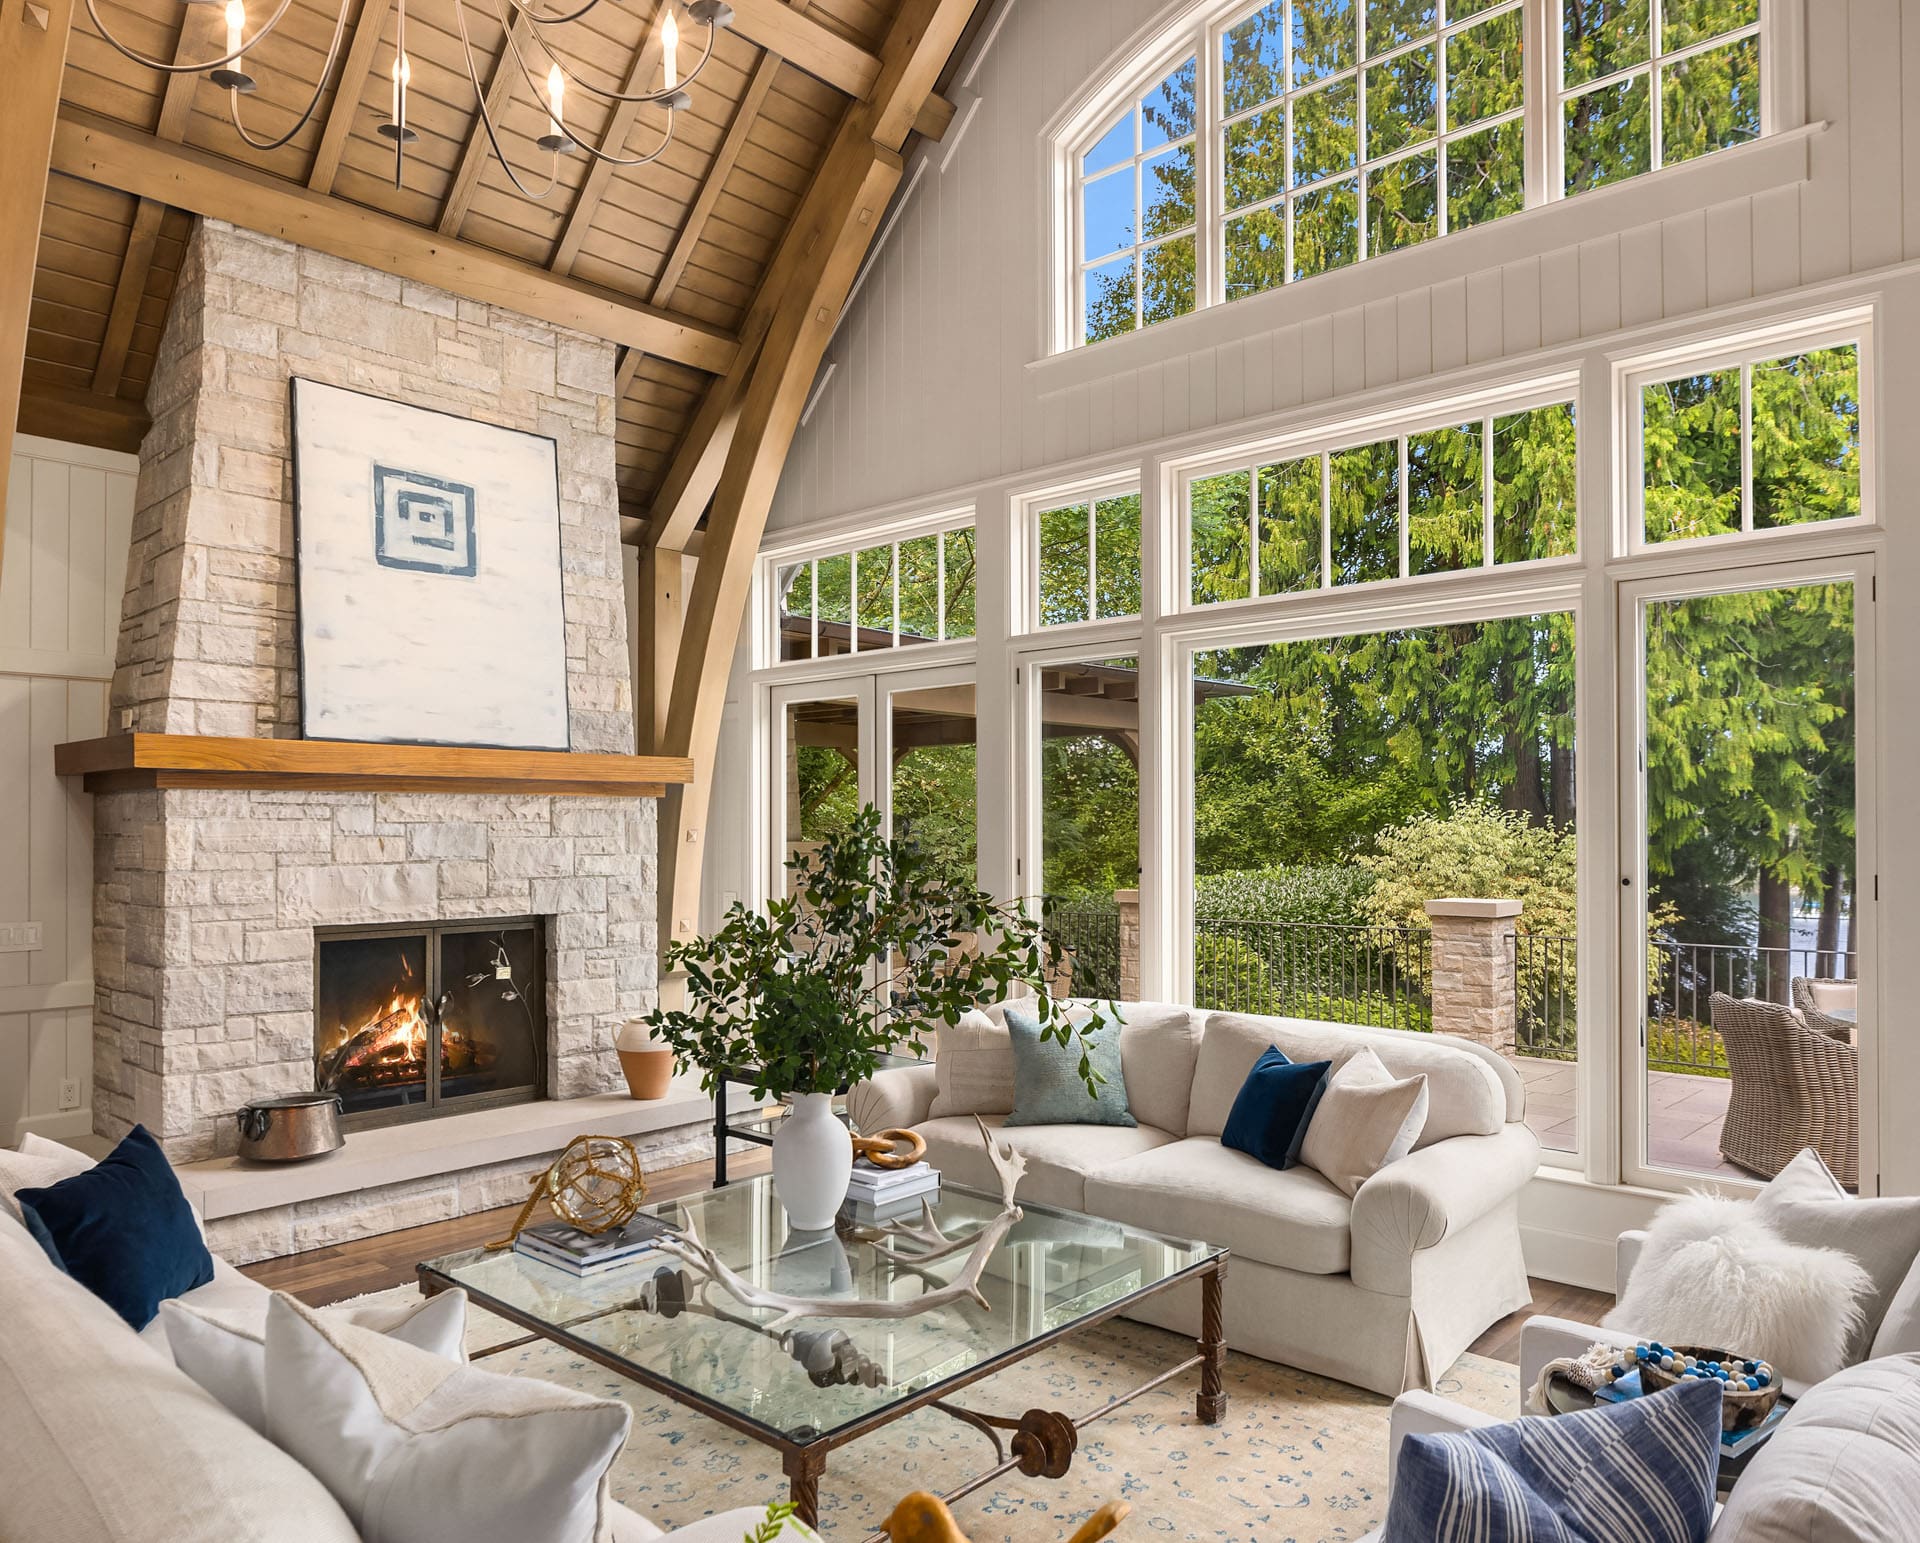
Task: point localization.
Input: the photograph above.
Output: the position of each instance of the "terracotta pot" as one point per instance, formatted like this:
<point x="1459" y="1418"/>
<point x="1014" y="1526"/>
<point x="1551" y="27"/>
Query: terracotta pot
<point x="648" y="1072"/>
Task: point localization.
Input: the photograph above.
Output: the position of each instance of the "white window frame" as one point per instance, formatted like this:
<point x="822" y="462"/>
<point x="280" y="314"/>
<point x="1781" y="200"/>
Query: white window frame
<point x="1345" y="433"/>
<point x="774" y="560"/>
<point x="1198" y="29"/>
<point x="1741" y="350"/>
<point x="1029" y="507"/>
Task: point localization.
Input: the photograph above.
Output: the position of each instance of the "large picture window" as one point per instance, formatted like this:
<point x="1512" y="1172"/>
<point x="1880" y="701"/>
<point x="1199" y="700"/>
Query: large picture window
<point x="1268" y="144"/>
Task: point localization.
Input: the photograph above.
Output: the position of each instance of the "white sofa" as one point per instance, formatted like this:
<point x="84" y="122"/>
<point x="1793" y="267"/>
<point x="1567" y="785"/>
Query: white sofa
<point x="1844" y="1466"/>
<point x="106" y="1441"/>
<point x="1384" y="1290"/>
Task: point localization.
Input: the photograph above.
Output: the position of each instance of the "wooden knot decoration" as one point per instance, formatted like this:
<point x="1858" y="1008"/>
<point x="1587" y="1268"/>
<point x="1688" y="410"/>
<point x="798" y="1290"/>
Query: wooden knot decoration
<point x="595" y="1185"/>
<point x="891" y="1148"/>
<point x="921" y="1518"/>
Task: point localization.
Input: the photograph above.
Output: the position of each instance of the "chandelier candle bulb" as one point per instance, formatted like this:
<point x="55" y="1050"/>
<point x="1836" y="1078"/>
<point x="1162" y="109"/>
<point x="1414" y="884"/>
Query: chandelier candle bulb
<point x="670" y="49"/>
<point x="236" y="28"/>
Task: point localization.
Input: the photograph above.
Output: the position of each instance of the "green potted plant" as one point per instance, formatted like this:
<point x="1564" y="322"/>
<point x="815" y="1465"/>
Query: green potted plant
<point x="874" y="946"/>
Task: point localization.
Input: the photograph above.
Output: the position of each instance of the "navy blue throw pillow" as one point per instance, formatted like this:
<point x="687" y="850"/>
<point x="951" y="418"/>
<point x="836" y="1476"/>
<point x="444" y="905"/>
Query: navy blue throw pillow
<point x="124" y="1230"/>
<point x="1642" y="1468"/>
<point x="1271" y="1110"/>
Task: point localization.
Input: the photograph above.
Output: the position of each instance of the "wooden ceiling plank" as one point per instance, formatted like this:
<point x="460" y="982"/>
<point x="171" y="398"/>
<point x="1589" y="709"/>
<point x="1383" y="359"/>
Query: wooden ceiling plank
<point x="646" y="59"/>
<point x="108" y="153"/>
<point x="33" y="54"/>
<point x="352" y="86"/>
<point x="197" y="40"/>
<point x="723" y="163"/>
<point x="473" y="155"/>
<point x="127" y="295"/>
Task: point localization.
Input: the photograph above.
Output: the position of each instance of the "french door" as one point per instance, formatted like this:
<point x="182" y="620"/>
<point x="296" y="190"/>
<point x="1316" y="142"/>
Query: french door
<point x="1746" y="704"/>
<point x="904" y="741"/>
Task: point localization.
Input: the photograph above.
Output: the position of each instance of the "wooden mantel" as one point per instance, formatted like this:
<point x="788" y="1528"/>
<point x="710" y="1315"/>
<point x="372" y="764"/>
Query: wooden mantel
<point x="121" y="761"/>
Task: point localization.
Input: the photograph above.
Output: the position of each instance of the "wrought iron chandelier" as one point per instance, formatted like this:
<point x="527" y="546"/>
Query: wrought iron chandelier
<point x="229" y="72"/>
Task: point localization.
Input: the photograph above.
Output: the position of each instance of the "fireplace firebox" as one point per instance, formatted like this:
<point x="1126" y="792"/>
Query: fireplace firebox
<point x="412" y="1021"/>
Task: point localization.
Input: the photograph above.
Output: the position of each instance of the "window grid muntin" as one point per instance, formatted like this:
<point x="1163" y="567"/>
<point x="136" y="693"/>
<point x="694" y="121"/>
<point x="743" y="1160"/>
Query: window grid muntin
<point x="1654" y="67"/>
<point x="1135" y="166"/>
<point x="1483" y="417"/>
<point x="1775" y="349"/>
<point x="807" y="568"/>
<point x="1543" y="158"/>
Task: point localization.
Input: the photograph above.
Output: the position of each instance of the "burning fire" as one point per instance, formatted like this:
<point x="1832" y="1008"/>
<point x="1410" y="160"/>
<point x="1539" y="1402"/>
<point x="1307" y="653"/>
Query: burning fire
<point x="392" y="1046"/>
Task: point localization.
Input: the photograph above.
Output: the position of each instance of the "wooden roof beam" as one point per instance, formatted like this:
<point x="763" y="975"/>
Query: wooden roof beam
<point x="194" y="41"/>
<point x="347" y="92"/>
<point x="33" y="55"/>
<point x="98" y="150"/>
<point x="473" y="154"/>
<point x="724" y="160"/>
<point x="620" y="122"/>
<point x="806" y="44"/>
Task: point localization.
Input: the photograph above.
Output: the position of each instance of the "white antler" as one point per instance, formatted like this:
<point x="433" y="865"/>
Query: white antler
<point x="933" y="1244"/>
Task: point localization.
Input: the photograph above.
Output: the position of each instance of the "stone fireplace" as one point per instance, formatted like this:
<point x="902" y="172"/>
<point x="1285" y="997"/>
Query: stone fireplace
<point x="216" y="907"/>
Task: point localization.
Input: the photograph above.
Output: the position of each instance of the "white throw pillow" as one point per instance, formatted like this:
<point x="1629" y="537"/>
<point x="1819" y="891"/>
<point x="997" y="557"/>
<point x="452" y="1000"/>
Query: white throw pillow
<point x="419" y="1449"/>
<point x="1365" y="1120"/>
<point x="1807" y="1205"/>
<point x="973" y="1073"/>
<point x="225" y="1349"/>
<point x="1715" y="1272"/>
<point x="34" y="1164"/>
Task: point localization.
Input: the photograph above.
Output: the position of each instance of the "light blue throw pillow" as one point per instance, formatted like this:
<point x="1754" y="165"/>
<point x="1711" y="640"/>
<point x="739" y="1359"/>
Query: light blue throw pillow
<point x="1639" y="1471"/>
<point x="1047" y="1089"/>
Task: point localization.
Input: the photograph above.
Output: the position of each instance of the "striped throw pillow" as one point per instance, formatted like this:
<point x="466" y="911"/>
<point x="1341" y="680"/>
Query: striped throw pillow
<point x="1639" y="1471"/>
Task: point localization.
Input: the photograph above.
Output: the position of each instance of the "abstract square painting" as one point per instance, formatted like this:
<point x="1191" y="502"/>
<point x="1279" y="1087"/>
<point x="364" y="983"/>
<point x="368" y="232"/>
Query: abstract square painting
<point x="429" y="576"/>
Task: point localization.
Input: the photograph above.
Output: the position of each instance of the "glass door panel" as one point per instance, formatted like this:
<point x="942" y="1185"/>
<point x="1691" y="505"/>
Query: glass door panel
<point x="932" y="740"/>
<point x="1746" y="780"/>
<point x="818" y="777"/>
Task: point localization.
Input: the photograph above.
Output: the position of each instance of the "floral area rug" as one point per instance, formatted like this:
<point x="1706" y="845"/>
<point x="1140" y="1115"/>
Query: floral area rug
<point x="1298" y="1458"/>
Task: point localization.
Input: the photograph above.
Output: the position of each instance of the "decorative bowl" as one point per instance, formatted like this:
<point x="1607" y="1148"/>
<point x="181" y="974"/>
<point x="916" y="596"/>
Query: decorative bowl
<point x="1740" y="1408"/>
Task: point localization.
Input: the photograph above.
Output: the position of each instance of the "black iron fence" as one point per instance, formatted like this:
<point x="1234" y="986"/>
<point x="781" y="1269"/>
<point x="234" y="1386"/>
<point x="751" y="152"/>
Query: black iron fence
<point x="1089" y="931"/>
<point x="1344" y="974"/>
<point x="1681" y="981"/>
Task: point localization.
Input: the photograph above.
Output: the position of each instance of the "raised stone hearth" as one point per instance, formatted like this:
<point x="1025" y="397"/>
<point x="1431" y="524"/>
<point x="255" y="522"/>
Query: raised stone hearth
<point x="206" y="899"/>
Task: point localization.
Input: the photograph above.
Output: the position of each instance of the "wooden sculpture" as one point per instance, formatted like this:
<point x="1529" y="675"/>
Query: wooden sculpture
<point x="891" y="1148"/>
<point x="923" y="1518"/>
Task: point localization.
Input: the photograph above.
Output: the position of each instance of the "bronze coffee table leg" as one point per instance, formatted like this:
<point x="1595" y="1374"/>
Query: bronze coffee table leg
<point x="803" y="1467"/>
<point x="1211" y="1405"/>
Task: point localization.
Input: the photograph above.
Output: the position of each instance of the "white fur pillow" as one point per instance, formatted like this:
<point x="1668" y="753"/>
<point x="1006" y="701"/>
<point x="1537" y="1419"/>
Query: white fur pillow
<point x="1715" y="1272"/>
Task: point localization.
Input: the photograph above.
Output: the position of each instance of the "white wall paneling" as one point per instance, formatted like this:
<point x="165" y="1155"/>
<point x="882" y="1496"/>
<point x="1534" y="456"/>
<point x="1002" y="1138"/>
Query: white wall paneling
<point x="69" y="511"/>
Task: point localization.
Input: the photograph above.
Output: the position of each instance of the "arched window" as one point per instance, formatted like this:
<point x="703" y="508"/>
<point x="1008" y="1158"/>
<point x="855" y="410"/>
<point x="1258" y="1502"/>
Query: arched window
<point x="1248" y="147"/>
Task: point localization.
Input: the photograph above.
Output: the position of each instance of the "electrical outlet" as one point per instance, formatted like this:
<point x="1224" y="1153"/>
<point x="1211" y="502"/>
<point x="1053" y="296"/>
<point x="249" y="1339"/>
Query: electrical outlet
<point x="20" y="937"/>
<point x="69" y="1092"/>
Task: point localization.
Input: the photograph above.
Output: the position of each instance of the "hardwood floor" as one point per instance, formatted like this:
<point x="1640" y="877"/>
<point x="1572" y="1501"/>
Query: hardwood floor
<point x="375" y="1264"/>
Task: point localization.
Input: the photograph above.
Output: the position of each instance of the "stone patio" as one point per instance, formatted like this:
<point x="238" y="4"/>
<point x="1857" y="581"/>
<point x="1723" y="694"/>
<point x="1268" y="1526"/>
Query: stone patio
<point x="1683" y="1116"/>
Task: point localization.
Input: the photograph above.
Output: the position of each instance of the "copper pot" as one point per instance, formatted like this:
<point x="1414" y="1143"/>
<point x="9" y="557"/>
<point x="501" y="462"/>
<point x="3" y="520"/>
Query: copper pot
<point x="291" y="1128"/>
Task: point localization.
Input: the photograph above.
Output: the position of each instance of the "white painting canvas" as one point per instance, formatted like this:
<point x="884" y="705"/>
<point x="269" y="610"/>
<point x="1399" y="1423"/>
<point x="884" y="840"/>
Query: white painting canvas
<point x="429" y="558"/>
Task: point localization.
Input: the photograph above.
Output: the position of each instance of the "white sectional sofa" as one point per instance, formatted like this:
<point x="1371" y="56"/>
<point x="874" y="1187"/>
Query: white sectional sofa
<point x="106" y="1441"/>
<point x="1384" y="1290"/>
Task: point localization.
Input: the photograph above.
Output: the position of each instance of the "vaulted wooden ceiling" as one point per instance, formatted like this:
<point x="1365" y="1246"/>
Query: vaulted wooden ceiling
<point x="666" y="258"/>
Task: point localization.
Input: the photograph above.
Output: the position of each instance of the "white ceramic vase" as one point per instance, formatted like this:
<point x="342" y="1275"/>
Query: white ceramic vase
<point x="812" y="1162"/>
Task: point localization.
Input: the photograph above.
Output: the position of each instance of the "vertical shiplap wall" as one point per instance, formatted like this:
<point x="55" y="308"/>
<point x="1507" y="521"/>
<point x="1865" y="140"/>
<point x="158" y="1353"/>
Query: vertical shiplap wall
<point x="932" y="390"/>
<point x="69" y="512"/>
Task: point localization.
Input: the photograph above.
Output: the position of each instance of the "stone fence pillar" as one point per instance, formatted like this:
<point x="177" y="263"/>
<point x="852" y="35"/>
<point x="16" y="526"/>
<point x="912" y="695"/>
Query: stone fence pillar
<point x="1128" y="901"/>
<point x="1473" y="969"/>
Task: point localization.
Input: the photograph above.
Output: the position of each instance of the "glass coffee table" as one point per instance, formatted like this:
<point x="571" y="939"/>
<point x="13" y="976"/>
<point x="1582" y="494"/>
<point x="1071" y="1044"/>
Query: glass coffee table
<point x="817" y="1384"/>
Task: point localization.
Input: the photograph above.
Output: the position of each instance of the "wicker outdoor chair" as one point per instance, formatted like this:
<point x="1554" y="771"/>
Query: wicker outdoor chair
<point x="1811" y="996"/>
<point x="1793" y="1087"/>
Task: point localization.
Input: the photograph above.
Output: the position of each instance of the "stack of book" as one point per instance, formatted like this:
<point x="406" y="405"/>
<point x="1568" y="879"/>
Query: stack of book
<point x="876" y="1196"/>
<point x="584" y="1253"/>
